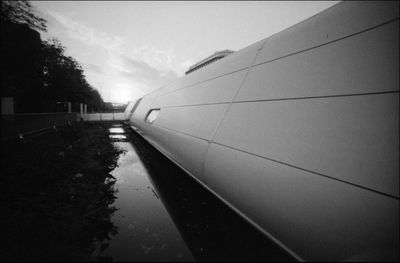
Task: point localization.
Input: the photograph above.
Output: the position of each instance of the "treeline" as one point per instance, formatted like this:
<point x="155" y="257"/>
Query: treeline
<point x="37" y="73"/>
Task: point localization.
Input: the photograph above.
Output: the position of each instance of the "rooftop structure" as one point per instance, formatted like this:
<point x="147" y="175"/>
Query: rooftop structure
<point x="214" y="57"/>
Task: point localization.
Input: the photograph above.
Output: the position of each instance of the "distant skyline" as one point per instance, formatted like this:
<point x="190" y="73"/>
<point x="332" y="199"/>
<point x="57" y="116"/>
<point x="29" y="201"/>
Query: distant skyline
<point x="129" y="48"/>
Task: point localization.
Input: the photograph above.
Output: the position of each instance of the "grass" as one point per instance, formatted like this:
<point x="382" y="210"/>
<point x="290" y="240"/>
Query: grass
<point x="57" y="194"/>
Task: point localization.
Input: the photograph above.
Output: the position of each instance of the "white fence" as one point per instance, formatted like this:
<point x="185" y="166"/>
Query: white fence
<point x="114" y="116"/>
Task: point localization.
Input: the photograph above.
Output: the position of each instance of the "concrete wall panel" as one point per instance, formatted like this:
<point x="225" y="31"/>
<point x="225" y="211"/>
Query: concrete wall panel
<point x="364" y="63"/>
<point x="186" y="150"/>
<point x="198" y="121"/>
<point x="217" y="90"/>
<point x="319" y="218"/>
<point x="341" y="20"/>
<point x="353" y="138"/>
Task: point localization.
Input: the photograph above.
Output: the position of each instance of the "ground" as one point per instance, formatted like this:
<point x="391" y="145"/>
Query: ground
<point x="57" y="194"/>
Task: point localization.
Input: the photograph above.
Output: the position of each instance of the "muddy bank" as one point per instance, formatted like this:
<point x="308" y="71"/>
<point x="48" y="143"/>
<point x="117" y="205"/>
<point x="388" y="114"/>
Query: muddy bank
<point x="57" y="194"/>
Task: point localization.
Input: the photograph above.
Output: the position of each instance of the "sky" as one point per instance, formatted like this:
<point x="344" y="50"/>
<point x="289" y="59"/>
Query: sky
<point x="130" y="48"/>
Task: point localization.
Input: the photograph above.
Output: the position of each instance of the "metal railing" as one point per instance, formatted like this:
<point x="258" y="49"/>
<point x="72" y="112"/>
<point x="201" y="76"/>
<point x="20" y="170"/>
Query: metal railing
<point x="17" y="125"/>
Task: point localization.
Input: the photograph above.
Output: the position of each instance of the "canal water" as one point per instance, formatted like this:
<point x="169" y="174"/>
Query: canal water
<point x="146" y="231"/>
<point x="165" y="215"/>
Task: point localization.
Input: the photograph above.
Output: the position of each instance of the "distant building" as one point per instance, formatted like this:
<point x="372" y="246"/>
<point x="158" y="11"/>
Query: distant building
<point x="214" y="57"/>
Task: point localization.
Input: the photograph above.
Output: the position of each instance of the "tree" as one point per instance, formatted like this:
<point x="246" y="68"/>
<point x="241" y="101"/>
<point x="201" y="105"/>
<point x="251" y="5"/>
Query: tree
<point x="21" y="12"/>
<point x="37" y="73"/>
<point x="64" y="79"/>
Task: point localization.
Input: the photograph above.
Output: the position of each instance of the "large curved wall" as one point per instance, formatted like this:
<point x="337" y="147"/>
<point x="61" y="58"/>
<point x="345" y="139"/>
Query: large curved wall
<point x="298" y="132"/>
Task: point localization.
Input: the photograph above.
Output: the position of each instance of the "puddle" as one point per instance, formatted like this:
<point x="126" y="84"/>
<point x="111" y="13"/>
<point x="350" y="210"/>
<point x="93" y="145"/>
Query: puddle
<point x="146" y="231"/>
<point x="117" y="136"/>
<point x="116" y="130"/>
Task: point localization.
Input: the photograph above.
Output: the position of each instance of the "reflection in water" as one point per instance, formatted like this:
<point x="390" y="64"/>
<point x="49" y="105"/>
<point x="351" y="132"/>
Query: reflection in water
<point x="164" y="215"/>
<point x="116" y="130"/>
<point x="212" y="231"/>
<point x="117" y="136"/>
<point x="145" y="230"/>
<point x="58" y="195"/>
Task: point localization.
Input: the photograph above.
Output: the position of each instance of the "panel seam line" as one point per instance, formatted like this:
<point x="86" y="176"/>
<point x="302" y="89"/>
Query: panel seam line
<point x="309" y="171"/>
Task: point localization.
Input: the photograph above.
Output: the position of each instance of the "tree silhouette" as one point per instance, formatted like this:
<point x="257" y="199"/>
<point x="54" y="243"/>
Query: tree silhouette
<point x="21" y="12"/>
<point x="64" y="79"/>
<point x="37" y="73"/>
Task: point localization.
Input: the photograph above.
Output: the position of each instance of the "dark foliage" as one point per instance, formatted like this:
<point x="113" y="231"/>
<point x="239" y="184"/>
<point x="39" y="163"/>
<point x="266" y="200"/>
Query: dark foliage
<point x="38" y="74"/>
<point x="64" y="79"/>
<point x="57" y="195"/>
<point x="21" y="12"/>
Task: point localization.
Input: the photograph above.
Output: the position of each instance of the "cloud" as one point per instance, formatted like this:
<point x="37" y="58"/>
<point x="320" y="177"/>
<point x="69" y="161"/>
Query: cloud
<point x="113" y="67"/>
<point x="164" y="59"/>
<point x="85" y="34"/>
<point x="142" y="72"/>
<point x="94" y="68"/>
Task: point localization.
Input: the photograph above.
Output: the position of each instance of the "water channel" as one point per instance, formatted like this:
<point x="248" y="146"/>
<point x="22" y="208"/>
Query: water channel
<point x="146" y="231"/>
<point x="164" y="215"/>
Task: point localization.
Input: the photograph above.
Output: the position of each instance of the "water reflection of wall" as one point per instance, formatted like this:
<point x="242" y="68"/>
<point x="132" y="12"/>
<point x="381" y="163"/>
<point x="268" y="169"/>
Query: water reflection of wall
<point x="211" y="230"/>
<point x="146" y="231"/>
